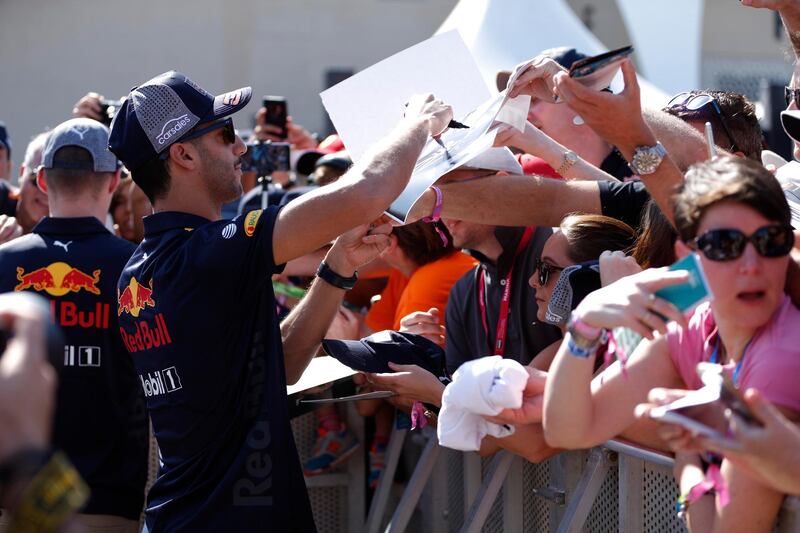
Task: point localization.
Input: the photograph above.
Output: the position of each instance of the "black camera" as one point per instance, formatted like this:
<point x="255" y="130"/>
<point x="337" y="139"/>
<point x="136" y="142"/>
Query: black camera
<point x="265" y="158"/>
<point x="109" y="108"/>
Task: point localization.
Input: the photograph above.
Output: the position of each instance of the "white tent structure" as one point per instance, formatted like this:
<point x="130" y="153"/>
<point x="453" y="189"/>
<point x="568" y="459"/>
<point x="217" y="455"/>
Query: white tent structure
<point x="503" y="33"/>
<point x="669" y="58"/>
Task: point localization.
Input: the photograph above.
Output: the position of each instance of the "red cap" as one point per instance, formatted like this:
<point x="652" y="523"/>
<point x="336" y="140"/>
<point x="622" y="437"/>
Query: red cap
<point x="532" y="165"/>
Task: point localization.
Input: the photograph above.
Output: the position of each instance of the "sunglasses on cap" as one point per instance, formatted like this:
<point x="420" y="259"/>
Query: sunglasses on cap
<point x="544" y="270"/>
<point x="696" y="102"/>
<point x="228" y="133"/>
<point x="791" y="95"/>
<point x="775" y="240"/>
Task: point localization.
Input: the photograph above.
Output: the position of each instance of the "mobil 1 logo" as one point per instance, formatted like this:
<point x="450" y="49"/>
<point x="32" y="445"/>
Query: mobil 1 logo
<point x="161" y="382"/>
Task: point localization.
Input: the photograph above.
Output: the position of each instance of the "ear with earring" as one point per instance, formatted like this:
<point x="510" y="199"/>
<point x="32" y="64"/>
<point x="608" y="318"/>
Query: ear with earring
<point x="578" y="120"/>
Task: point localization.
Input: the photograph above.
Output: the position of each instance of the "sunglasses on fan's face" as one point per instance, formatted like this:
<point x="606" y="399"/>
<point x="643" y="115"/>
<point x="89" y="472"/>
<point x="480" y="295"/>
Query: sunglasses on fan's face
<point x="696" y="102"/>
<point x="774" y="240"/>
<point x="544" y="270"/>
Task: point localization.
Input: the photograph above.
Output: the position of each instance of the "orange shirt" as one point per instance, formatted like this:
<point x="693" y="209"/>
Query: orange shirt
<point x="429" y="286"/>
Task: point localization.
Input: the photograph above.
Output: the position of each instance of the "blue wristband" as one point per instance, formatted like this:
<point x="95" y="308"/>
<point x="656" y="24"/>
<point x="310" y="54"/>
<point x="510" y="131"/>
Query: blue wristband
<point x="580" y="351"/>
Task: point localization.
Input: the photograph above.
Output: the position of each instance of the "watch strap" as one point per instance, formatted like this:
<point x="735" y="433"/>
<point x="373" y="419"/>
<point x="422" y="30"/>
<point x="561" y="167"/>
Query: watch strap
<point x="325" y="273"/>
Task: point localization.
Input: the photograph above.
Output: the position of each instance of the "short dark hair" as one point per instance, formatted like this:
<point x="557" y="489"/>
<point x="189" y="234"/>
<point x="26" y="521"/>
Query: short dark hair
<point x="421" y="243"/>
<point x="588" y="236"/>
<point x="72" y="182"/>
<point x="153" y="178"/>
<point x="727" y="178"/>
<point x="740" y="117"/>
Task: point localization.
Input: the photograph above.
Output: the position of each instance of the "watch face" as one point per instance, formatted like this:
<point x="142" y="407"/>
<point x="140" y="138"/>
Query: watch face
<point x="646" y="160"/>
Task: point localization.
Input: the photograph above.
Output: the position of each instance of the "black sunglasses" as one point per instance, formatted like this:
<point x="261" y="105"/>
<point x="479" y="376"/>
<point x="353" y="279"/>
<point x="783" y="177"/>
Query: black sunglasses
<point x="775" y="240"/>
<point x="791" y="95"/>
<point x="228" y="133"/>
<point x="696" y="102"/>
<point x="544" y="270"/>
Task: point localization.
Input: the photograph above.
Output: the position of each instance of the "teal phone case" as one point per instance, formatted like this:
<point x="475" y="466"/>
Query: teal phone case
<point x="687" y="295"/>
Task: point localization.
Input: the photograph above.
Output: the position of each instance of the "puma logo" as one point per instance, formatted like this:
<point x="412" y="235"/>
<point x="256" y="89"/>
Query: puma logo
<point x="65" y="246"/>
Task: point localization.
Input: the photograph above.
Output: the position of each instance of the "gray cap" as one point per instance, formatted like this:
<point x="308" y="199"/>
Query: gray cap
<point x="84" y="133"/>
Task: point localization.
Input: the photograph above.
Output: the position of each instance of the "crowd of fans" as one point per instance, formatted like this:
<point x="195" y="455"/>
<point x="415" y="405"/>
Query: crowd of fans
<point x="165" y="293"/>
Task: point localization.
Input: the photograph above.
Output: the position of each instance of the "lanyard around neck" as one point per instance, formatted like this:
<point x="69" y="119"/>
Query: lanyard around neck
<point x="499" y="346"/>
<point x="738" y="369"/>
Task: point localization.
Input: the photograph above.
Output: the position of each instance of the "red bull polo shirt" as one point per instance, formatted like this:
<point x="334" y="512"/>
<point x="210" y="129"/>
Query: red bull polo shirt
<point x="197" y="313"/>
<point x="100" y="419"/>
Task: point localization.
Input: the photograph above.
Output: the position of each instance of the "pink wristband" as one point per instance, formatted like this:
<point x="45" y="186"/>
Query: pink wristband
<point x="584" y="329"/>
<point x="435" y="214"/>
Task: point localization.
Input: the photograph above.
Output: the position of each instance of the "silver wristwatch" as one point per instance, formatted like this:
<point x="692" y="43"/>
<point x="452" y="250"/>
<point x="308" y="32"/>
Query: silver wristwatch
<point x="647" y="158"/>
<point x="570" y="158"/>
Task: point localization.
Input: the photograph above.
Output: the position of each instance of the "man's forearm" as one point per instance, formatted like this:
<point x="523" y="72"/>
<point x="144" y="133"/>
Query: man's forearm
<point x="512" y="200"/>
<point x="358" y="197"/>
<point x="664" y="182"/>
<point x="791" y="23"/>
<point x="303" y="330"/>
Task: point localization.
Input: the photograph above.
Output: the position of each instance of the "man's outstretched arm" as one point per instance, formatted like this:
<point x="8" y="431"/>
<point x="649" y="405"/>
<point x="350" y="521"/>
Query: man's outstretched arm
<point x="367" y="189"/>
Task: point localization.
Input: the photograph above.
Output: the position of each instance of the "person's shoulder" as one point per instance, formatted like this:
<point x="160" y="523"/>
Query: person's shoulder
<point x="784" y="326"/>
<point x="465" y="284"/>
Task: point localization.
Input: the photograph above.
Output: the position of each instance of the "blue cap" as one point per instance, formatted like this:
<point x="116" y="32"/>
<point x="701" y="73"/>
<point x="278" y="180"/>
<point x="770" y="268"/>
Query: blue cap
<point x="4" y="140"/>
<point x="159" y="112"/>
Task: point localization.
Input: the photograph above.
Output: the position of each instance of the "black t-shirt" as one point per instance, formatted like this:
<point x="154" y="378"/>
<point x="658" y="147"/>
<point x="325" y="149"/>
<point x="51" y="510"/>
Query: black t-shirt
<point x="616" y="165"/>
<point x="8" y="199"/>
<point x="197" y="313"/>
<point x="623" y="201"/>
<point x="100" y="419"/>
<point x="466" y="337"/>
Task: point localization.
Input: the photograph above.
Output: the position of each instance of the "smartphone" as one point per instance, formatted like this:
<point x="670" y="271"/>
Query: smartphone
<point x="732" y="397"/>
<point x="687" y="295"/>
<point x="598" y="71"/>
<point x="276" y="113"/>
<point x="264" y="158"/>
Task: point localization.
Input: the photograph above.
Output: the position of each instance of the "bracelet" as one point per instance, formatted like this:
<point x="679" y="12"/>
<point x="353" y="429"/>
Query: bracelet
<point x="325" y="273"/>
<point x="436" y="214"/>
<point x="583" y="329"/>
<point x="578" y="349"/>
<point x="54" y="494"/>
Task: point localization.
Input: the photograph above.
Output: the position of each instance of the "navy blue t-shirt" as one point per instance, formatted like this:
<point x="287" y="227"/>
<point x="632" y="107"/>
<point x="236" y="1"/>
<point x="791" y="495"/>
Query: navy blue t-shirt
<point x="100" y="419"/>
<point x="197" y="312"/>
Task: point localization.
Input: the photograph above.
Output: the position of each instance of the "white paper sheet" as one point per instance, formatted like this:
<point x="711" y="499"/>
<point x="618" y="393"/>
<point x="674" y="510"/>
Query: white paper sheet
<point x="365" y="107"/>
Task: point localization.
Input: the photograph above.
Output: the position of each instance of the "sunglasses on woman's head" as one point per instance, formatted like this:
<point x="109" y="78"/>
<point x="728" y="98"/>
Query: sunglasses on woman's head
<point x="697" y="101"/>
<point x="774" y="240"/>
<point x="544" y="270"/>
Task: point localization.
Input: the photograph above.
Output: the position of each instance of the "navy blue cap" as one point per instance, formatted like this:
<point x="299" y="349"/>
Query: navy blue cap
<point x="573" y="285"/>
<point x="159" y="112"/>
<point x="374" y="353"/>
<point x="4" y="140"/>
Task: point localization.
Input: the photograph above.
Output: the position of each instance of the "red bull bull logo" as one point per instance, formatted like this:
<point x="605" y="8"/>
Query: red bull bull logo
<point x="134" y="298"/>
<point x="58" y="279"/>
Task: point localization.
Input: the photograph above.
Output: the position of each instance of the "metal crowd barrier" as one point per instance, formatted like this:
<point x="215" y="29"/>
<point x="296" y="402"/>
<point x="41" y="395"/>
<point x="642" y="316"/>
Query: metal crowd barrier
<point x="614" y="487"/>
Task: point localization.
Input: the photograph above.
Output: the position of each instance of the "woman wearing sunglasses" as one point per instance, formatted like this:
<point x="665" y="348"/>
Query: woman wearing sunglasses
<point x="579" y="239"/>
<point x="733" y="213"/>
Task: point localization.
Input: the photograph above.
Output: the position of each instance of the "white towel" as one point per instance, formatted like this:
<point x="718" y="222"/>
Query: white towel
<point x="484" y="386"/>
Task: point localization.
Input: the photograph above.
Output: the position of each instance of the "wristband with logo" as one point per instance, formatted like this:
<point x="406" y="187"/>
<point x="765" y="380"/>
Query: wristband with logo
<point x="54" y="494"/>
